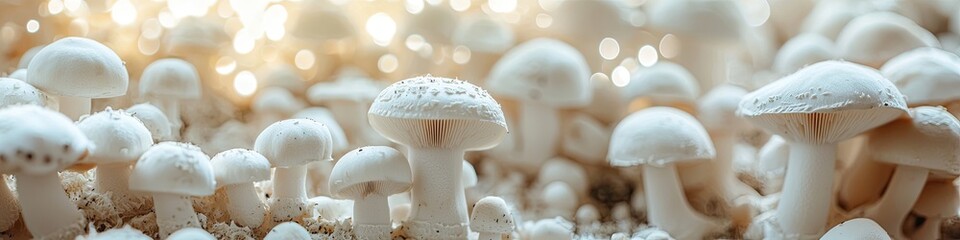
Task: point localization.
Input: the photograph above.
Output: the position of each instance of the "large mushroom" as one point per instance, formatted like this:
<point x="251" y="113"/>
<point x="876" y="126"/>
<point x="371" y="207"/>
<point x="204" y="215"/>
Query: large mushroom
<point x="172" y="173"/>
<point x="290" y="144"/>
<point x="872" y="39"/>
<point x="167" y="82"/>
<point x="369" y="175"/>
<point x="545" y="76"/>
<point x="659" y="138"/>
<point x="814" y="109"/>
<point x="857" y="229"/>
<point x="74" y="70"/>
<point x="120" y="140"/>
<point x="438" y="119"/>
<point x="236" y="170"/>
<point x="35" y="143"/>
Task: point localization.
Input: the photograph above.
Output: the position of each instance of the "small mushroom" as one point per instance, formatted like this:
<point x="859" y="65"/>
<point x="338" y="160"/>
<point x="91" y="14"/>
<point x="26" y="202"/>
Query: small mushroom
<point x="873" y="38"/>
<point x="336" y="25"/>
<point x="166" y="83"/>
<point x="191" y="233"/>
<point x="369" y="175"/>
<point x="120" y="140"/>
<point x="663" y="84"/>
<point x="153" y="119"/>
<point x="856" y="229"/>
<point x="585" y="139"/>
<point x="803" y="50"/>
<point x="551" y="229"/>
<point x="236" y="170"/>
<point x="348" y="99"/>
<point x="14" y="92"/>
<point x="559" y="200"/>
<point x="172" y="173"/>
<point x="938" y="201"/>
<point x="290" y="144"/>
<point x="287" y="231"/>
<point x="773" y="158"/>
<point x="491" y="218"/>
<point x="319" y="172"/>
<point x="74" y="70"/>
<point x="36" y="143"/>
<point x="19" y="74"/>
<point x="273" y="104"/>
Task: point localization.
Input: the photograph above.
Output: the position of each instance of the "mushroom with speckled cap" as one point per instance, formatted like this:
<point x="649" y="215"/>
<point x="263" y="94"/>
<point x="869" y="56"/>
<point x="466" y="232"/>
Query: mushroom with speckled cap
<point x="545" y="76"/>
<point x="16" y="92"/>
<point x="491" y="218"/>
<point x="438" y="119"/>
<point x="36" y="143"/>
<point x="659" y="138"/>
<point x="856" y="229"/>
<point x="872" y="39"/>
<point x="236" y="170"/>
<point x="166" y="83"/>
<point x="74" y="70"/>
<point x="287" y="231"/>
<point x="803" y="50"/>
<point x="369" y="175"/>
<point x="153" y="119"/>
<point x="938" y="202"/>
<point x="172" y="173"/>
<point x="120" y="139"/>
<point x="290" y="144"/>
<point x="927" y="142"/>
<point x="663" y="84"/>
<point x="814" y="109"/>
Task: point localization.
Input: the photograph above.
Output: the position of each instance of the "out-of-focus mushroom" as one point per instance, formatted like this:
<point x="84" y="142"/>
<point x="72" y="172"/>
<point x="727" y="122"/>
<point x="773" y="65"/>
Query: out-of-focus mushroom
<point x="126" y="232"/>
<point x="74" y="70"/>
<point x="120" y="139"/>
<point x="663" y="84"/>
<point x="585" y="139"/>
<point x="369" y="175"/>
<point x="348" y="99"/>
<point x="872" y="39"/>
<point x="772" y="164"/>
<point x="551" y="229"/>
<point x="335" y="25"/>
<point x="717" y="110"/>
<point x="282" y="76"/>
<point x="319" y="172"/>
<point x="486" y="39"/>
<point x="857" y="229"/>
<point x="152" y="118"/>
<point x="9" y="206"/>
<point x="191" y="233"/>
<point x="559" y="200"/>
<point x="20" y="74"/>
<point x="438" y="119"/>
<point x="938" y="201"/>
<point x="290" y="144"/>
<point x="236" y="170"/>
<point x="15" y="92"/>
<point x="491" y="218"/>
<point x="287" y="231"/>
<point x="274" y="104"/>
<point x="564" y="170"/>
<point x="803" y="50"/>
<point x="172" y="173"/>
<point x="166" y="83"/>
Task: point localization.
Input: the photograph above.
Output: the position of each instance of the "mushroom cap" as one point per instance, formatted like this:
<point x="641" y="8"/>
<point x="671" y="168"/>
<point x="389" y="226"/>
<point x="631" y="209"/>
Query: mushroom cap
<point x="544" y="70"/>
<point x="929" y="139"/>
<point x="174" y="168"/>
<point x="78" y="67"/>
<point x="236" y="166"/>
<point x="28" y="56"/>
<point x="335" y="24"/>
<point x="773" y="155"/>
<point x="713" y="20"/>
<point x="152" y="118"/>
<point x="484" y="35"/>
<point x="872" y="39"/>
<point x="552" y="229"/>
<point x="119" y="137"/>
<point x="717" y="109"/>
<point x="20" y="74"/>
<point x="803" y="50"/>
<point x="191" y="233"/>
<point x="469" y="176"/>
<point x="438" y="112"/>
<point x="370" y="171"/>
<point x="16" y="92"/>
<point x="324" y="116"/>
<point x="295" y="142"/>
<point x="925" y="75"/>
<point x="286" y="231"/>
<point x="355" y="89"/>
<point x="35" y="140"/>
<point x="194" y="36"/>
<point x="824" y="103"/>
<point x="126" y="232"/>
<point x="491" y="214"/>
<point x="276" y="100"/>
<point x="659" y="136"/>
<point x="282" y="75"/>
<point x="937" y="200"/>
<point x="662" y="82"/>
<point x="435" y="23"/>
<point x="170" y="78"/>
<point x="857" y="229"/>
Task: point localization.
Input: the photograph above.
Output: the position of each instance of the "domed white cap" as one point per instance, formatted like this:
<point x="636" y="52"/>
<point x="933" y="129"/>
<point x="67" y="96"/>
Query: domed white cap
<point x="281" y="75"/>
<point x="170" y="77"/>
<point x="872" y="39"/>
<point x="491" y="214"/>
<point x="659" y="136"/>
<point x="925" y="75"/>
<point x="239" y="165"/>
<point x="543" y="70"/>
<point x="803" y="50"/>
<point x="118" y="136"/>
<point x="294" y="142"/>
<point x="153" y="119"/>
<point x="370" y="171"/>
<point x="857" y="229"/>
<point x="662" y="82"/>
<point x="35" y="140"/>
<point x="175" y="168"/>
<point x="287" y="231"/>
<point x="929" y="139"/>
<point x="194" y="36"/>
<point x="324" y="116"/>
<point x="78" y="67"/>
<point x="276" y="100"/>
<point x="16" y="92"/>
<point x="718" y="108"/>
<point x="191" y="234"/>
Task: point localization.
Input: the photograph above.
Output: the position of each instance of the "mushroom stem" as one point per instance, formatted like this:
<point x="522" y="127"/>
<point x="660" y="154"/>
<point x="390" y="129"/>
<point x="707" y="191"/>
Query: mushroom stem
<point x="174" y="212"/>
<point x="731" y="187"/>
<point x="46" y="209"/>
<point x="539" y="125"/>
<point x="490" y="236"/>
<point x="437" y="192"/>
<point x="904" y="189"/>
<point x="113" y="178"/>
<point x="74" y="107"/>
<point x="245" y="207"/>
<point x="668" y="207"/>
<point x="170" y="108"/>
<point x="805" y="199"/>
<point x="9" y="208"/>
<point x="289" y="193"/>
<point x="864" y="181"/>
<point x="372" y="211"/>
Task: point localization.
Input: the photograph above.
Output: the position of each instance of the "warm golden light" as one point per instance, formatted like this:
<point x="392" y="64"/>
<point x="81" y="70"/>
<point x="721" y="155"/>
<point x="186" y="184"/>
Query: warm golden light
<point x="609" y="48"/>
<point x="123" y="12"/>
<point x="304" y="59"/>
<point x="245" y="83"/>
<point x="647" y="56"/>
<point x="381" y="28"/>
<point x="620" y="76"/>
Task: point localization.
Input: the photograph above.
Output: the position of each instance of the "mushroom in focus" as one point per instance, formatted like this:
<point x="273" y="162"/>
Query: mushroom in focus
<point x="172" y="173"/>
<point x="369" y="175"/>
<point x="235" y="171"/>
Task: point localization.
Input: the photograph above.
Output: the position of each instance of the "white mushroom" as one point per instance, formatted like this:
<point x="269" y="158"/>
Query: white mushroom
<point x="491" y="218"/>
<point x="273" y="104"/>
<point x="348" y="99"/>
<point x="319" y="172"/>
<point x="856" y="229"/>
<point x="551" y="229"/>
<point x="559" y="200"/>
<point x="120" y="140"/>
<point x="191" y="233"/>
<point x="14" y="92"/>
<point x="663" y="84"/>
<point x="236" y="170"/>
<point x="290" y="144"/>
<point x="153" y="119"/>
<point x="126" y="232"/>
<point x="718" y="112"/>
<point x="74" y="70"/>
<point x="486" y="39"/>
<point x="335" y="24"/>
<point x="773" y="158"/>
<point x="166" y="83"/>
<point x="872" y="39"/>
<point x="288" y="231"/>
<point x="803" y="50"/>
<point x="20" y="74"/>
<point x="369" y="175"/>
<point x="172" y="173"/>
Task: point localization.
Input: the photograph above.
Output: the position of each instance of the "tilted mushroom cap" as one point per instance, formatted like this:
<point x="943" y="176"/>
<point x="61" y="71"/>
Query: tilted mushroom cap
<point x="874" y="38"/>
<point x="294" y="142"/>
<point x="119" y="137"/>
<point x="355" y="89"/>
<point x="175" y="168"/>
<point x="718" y="108"/>
<point x="483" y="34"/>
<point x="857" y="229"/>
<point x="78" y="67"/>
<point x="491" y="214"/>
<point x="35" y="140"/>
<point x="664" y="81"/>
<point x="286" y="231"/>
<point x="803" y="50"/>
<point x="370" y="171"/>
<point x="925" y="75"/>
<point x="929" y="139"/>
<point x="713" y="20"/>
<point x="824" y="103"/>
<point x="335" y="24"/>
<point x="239" y="165"/>
<point x="153" y="119"/>
<point x="435" y="23"/>
<point x="544" y="70"/>
<point x="937" y="200"/>
<point x="324" y="116"/>
<point x="191" y="233"/>
<point x="438" y="112"/>
<point x="20" y="74"/>
<point x="170" y="77"/>
<point x="659" y="136"/>
<point x="15" y="92"/>
<point x="276" y="100"/>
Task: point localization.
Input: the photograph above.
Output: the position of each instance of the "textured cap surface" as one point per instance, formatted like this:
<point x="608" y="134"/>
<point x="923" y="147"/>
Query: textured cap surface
<point x="659" y="136"/>
<point x="78" y="67"/>
<point x="119" y="137"/>
<point x="491" y="214"/>
<point x="35" y="140"/>
<point x="239" y="165"/>
<point x="174" y="168"/>
<point x="294" y="142"/>
<point x="14" y="92"/>
<point x="370" y="171"/>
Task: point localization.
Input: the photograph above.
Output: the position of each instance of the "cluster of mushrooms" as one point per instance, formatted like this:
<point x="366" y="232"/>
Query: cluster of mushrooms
<point x="821" y="120"/>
